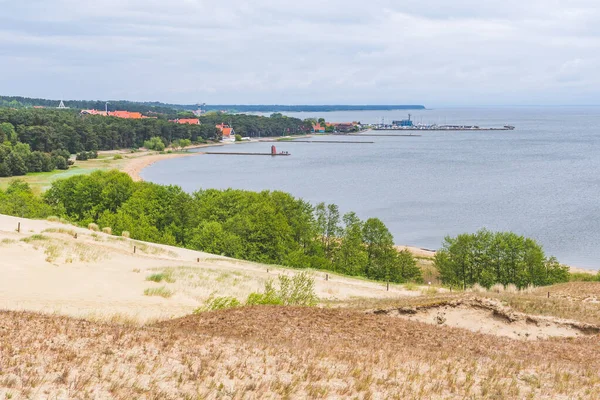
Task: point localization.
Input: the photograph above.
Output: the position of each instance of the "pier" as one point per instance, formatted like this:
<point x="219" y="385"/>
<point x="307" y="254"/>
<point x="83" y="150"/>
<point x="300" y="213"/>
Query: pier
<point x="245" y="154"/>
<point x="273" y="153"/>
<point x="381" y="135"/>
<point x="328" y="141"/>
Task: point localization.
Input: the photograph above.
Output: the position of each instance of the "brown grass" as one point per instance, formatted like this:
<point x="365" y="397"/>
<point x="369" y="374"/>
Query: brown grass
<point x="277" y="352"/>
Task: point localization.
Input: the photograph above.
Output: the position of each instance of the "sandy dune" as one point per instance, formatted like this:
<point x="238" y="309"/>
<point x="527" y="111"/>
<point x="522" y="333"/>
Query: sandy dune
<point x="98" y="276"/>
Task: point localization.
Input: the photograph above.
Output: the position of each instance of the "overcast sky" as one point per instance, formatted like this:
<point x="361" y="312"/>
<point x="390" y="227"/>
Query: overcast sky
<point x="431" y="52"/>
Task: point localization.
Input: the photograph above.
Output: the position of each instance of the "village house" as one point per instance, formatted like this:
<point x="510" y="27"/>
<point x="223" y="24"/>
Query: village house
<point x="318" y="128"/>
<point x="227" y="131"/>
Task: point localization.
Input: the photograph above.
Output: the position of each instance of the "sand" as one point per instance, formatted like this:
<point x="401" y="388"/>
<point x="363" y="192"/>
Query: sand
<point x="135" y="165"/>
<point x="98" y="276"/>
<point x="491" y="317"/>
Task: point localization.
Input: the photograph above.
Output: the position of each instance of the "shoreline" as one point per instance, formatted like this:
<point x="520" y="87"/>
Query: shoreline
<point x="134" y="166"/>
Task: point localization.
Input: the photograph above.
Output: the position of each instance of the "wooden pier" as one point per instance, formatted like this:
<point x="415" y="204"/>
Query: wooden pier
<point x="326" y="141"/>
<point x="245" y="154"/>
<point x="380" y="135"/>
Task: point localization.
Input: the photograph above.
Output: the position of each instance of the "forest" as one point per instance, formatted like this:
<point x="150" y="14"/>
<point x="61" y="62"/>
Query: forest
<point x="47" y="130"/>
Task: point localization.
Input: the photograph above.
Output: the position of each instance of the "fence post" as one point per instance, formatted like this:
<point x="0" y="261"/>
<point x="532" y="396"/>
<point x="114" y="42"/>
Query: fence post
<point x="19" y="227"/>
<point x="134" y="249"/>
<point x="388" y="286"/>
<point x="326" y="277"/>
<point x="548" y="294"/>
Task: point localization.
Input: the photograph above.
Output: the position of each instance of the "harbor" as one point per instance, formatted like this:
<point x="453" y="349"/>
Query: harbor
<point x="409" y="125"/>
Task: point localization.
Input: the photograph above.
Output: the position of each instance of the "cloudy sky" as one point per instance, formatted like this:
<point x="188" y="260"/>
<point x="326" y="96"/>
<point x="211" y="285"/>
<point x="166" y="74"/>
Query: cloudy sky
<point x="432" y="52"/>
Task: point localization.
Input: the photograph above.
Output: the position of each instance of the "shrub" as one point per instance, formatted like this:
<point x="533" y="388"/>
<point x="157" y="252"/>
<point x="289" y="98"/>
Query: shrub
<point x="86" y="155"/>
<point x="107" y="230"/>
<point x="155" y="143"/>
<point x="118" y="157"/>
<point x="219" y="303"/>
<point x="53" y="218"/>
<point x="93" y="227"/>
<point x="298" y="291"/>
<point x="268" y="297"/>
<point x="126" y="234"/>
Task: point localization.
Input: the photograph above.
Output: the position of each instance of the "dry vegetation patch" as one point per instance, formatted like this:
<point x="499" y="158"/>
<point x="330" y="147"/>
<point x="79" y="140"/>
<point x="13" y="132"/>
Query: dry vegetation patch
<point x="491" y="317"/>
<point x="284" y="352"/>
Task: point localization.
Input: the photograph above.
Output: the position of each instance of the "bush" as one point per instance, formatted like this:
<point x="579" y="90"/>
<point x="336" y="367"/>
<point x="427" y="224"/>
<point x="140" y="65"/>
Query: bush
<point x="126" y="234"/>
<point x="118" y="157"/>
<point x="155" y="143"/>
<point x="107" y="230"/>
<point x="93" y="227"/>
<point x="86" y="155"/>
<point x="219" y="303"/>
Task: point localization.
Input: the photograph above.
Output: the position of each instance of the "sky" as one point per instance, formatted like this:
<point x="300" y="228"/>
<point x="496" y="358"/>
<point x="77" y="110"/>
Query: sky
<point x="434" y="52"/>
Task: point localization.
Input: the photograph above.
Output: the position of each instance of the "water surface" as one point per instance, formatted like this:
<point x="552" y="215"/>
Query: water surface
<point x="540" y="180"/>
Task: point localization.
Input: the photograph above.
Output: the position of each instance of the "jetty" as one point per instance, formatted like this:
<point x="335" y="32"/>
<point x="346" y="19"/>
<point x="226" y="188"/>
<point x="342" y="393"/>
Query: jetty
<point x="328" y="141"/>
<point x="273" y="153"/>
<point x="381" y="135"/>
<point x="283" y="153"/>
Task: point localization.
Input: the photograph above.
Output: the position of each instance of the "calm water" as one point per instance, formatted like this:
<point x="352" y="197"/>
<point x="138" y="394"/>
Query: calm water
<point x="540" y="180"/>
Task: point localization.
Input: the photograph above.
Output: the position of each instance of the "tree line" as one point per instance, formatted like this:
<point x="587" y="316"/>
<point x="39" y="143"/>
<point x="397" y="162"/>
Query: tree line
<point x="46" y="130"/>
<point x="270" y="227"/>
<point x="488" y="258"/>
<point x="273" y="227"/>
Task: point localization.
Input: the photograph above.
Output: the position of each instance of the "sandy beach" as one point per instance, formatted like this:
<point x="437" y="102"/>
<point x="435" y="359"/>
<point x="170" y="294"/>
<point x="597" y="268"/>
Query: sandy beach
<point x="135" y="165"/>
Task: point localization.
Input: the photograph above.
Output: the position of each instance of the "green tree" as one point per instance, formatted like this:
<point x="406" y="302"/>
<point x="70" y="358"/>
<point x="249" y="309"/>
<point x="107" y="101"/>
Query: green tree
<point x="351" y="257"/>
<point x="155" y="143"/>
<point x="496" y="257"/>
<point x="381" y="254"/>
<point x="16" y="164"/>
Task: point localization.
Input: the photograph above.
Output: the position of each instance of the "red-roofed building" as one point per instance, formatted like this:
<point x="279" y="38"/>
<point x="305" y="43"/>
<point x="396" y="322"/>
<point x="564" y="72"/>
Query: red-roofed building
<point x="125" y="114"/>
<point x="227" y="131"/>
<point x="318" y="128"/>
<point x="188" y="121"/>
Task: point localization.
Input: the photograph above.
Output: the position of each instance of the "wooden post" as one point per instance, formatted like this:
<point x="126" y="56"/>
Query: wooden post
<point x="134" y="248"/>
<point x="267" y="270"/>
<point x="548" y="294"/>
<point x="198" y="259"/>
<point x="388" y="286"/>
<point x="326" y="277"/>
<point x="19" y="227"/>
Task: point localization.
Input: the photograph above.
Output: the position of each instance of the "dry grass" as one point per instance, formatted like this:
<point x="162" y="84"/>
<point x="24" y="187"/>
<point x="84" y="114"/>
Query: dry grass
<point x="162" y="291"/>
<point x="276" y="352"/>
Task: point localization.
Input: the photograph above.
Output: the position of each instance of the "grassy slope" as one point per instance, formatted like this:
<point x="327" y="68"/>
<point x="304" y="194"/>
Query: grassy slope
<point x="40" y="181"/>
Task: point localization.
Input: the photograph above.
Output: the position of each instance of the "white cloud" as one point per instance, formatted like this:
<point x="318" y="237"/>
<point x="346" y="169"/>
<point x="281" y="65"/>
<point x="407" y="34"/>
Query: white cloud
<point x="268" y="51"/>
